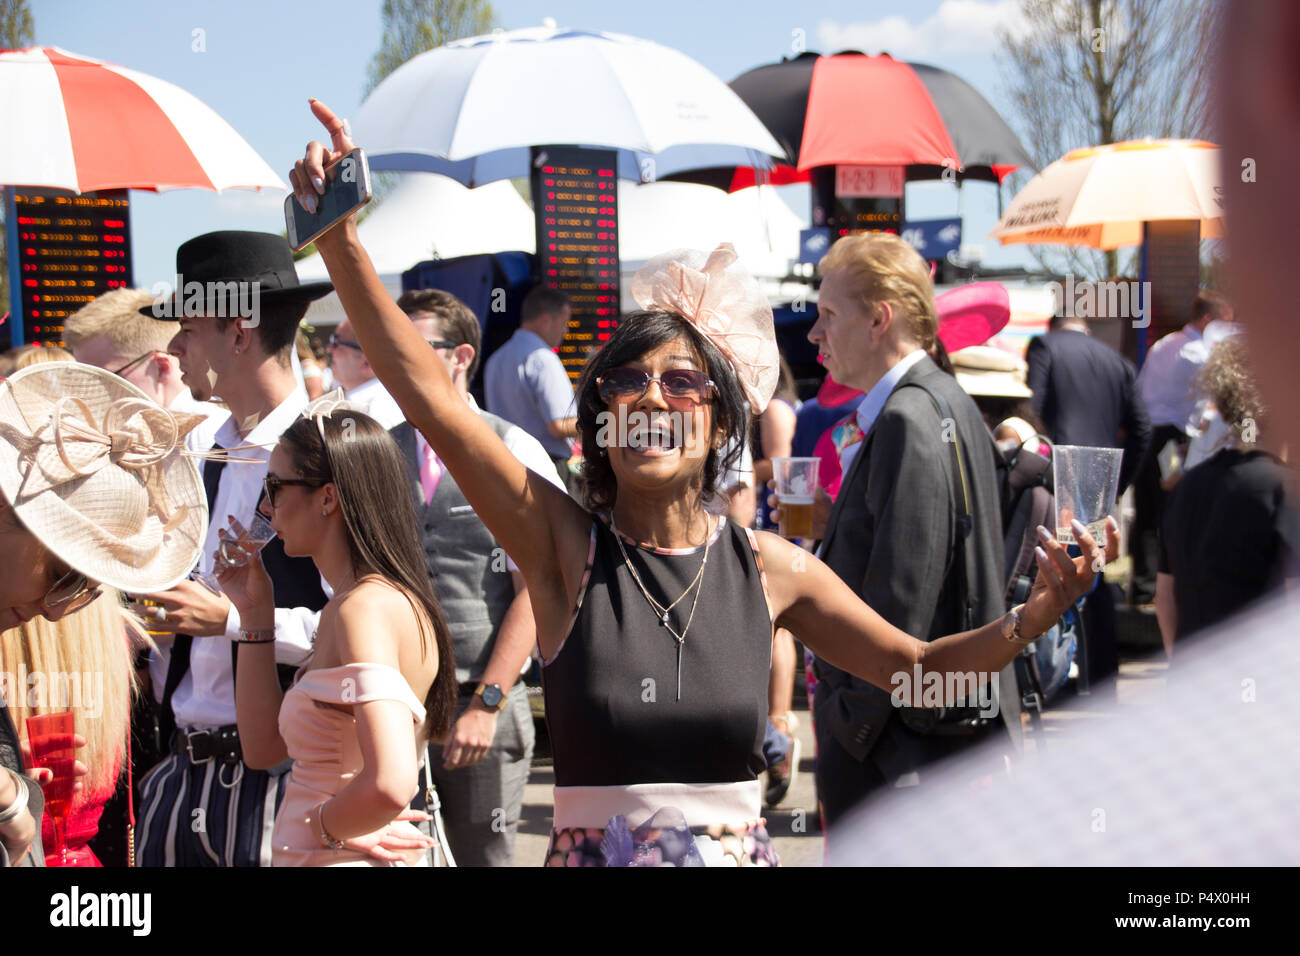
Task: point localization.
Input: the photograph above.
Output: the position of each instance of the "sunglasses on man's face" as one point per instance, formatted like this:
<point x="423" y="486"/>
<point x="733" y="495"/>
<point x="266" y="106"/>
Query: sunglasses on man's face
<point x="138" y="360"/>
<point x="336" y="342"/>
<point x="676" y="385"/>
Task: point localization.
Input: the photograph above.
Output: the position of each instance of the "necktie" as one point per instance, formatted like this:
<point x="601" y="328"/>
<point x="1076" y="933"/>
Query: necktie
<point x="212" y="469"/>
<point x="430" y="472"/>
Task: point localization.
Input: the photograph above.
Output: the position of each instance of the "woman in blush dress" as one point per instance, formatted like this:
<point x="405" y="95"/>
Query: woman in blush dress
<point x="380" y="681"/>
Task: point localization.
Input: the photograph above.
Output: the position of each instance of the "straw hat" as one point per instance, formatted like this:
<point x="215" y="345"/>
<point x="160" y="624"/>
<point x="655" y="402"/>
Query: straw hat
<point x="982" y="370"/>
<point x="95" y="470"/>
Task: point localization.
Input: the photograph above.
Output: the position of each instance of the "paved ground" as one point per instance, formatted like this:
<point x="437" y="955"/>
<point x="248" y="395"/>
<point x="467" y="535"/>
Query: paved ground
<point x="794" y="825"/>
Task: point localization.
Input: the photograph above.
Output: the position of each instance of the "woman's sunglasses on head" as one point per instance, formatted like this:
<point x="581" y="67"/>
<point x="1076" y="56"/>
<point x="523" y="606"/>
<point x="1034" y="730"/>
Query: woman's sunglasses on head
<point x="677" y="384"/>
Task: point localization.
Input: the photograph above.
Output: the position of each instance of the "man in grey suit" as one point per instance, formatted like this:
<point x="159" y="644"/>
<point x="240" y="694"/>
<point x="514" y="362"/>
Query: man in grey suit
<point x="482" y="768"/>
<point x="895" y="532"/>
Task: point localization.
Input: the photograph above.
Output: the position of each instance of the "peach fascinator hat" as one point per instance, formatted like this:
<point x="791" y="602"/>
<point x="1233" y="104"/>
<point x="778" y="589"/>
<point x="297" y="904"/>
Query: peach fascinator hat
<point x="100" y="475"/>
<point x="718" y="296"/>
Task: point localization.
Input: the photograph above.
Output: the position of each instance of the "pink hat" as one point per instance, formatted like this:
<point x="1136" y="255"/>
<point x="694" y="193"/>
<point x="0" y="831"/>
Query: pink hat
<point x="972" y="314"/>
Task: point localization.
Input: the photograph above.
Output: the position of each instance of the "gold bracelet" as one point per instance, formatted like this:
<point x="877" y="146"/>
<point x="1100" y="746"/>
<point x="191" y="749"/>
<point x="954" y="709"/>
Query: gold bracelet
<point x="256" y="636"/>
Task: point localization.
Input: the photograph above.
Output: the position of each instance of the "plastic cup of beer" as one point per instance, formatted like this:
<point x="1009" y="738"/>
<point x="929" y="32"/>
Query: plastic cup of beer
<point x="796" y="487"/>
<point x="1087" y="480"/>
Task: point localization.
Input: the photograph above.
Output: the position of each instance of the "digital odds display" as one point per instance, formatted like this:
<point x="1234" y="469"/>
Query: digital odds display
<point x="71" y="248"/>
<point x="575" y="200"/>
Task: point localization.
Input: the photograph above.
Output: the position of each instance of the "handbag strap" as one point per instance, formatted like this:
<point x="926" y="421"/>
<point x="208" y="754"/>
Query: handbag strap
<point x="433" y="806"/>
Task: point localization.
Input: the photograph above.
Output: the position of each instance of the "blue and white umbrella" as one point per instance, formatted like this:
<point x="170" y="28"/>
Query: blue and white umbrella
<point x="473" y="109"/>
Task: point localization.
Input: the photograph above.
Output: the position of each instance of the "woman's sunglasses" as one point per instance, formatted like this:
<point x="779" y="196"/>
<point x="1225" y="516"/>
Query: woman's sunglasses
<point x="676" y="384"/>
<point x="272" y="485"/>
<point x="70" y="593"/>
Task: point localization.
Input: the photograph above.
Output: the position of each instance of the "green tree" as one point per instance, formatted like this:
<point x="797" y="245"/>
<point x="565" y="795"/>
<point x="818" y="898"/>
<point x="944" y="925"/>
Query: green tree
<point x="413" y="26"/>
<point x="1090" y="72"/>
<point x="17" y="30"/>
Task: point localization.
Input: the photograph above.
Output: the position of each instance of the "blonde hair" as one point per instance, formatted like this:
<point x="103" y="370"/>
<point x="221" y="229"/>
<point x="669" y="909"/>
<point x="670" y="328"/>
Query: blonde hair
<point x="1226" y="377"/>
<point x="883" y="268"/>
<point x="116" y="316"/>
<point x="83" y="663"/>
<point x="27" y="355"/>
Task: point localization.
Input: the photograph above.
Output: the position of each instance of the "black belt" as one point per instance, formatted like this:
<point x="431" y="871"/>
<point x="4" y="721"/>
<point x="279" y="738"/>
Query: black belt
<point x="204" y="745"/>
<point x="467" y="689"/>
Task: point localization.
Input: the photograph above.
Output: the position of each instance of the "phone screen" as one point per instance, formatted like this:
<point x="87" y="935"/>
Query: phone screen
<point x="347" y="188"/>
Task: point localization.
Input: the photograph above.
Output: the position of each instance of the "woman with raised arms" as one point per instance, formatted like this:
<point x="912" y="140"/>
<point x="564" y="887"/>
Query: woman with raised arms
<point x="655" y="617"/>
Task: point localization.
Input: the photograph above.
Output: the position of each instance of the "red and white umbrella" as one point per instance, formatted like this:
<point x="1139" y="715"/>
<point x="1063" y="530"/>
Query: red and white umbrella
<point x="70" y="122"/>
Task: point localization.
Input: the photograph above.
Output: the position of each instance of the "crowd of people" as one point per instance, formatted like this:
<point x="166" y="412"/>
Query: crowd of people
<point x="301" y="701"/>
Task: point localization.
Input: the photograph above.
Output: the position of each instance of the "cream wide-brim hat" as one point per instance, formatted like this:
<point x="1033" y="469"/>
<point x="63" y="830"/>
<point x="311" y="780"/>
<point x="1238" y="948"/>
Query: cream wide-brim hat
<point x="986" y="371"/>
<point x="96" y="471"/>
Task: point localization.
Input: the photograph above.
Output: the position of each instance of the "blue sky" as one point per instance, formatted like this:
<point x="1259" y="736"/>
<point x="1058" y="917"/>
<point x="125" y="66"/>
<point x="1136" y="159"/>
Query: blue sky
<point x="262" y="60"/>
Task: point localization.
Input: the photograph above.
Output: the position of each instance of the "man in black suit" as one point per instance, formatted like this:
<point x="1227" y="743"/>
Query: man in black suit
<point x="894" y="532"/>
<point x="1087" y="394"/>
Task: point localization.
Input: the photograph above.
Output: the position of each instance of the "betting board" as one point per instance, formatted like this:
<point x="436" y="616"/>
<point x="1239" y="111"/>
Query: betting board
<point x="575" y="202"/>
<point x="65" y="250"/>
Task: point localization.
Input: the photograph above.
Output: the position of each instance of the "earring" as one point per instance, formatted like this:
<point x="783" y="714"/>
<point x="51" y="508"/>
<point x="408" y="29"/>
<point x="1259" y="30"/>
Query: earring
<point x="236" y="351"/>
<point x="322" y="513"/>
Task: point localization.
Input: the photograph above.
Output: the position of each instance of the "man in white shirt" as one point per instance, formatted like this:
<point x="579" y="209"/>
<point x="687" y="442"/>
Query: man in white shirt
<point x="202" y="806"/>
<point x="1167" y="384"/>
<point x="353" y="374"/>
<point x="481" y="770"/>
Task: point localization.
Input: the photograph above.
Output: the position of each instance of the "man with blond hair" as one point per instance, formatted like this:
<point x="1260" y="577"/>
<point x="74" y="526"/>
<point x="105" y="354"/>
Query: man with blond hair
<point x="915" y="534"/>
<point x="111" y="333"/>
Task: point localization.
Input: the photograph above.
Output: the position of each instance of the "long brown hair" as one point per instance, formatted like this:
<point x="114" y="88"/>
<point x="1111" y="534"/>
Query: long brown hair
<point x="363" y="462"/>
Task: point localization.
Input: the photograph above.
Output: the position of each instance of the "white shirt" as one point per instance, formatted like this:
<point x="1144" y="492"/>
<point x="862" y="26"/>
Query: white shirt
<point x="1166" y="377"/>
<point x="373" y="399"/>
<point x="199" y="439"/>
<point x="874" y="403"/>
<point x="528" y="451"/>
<point x="205" y="697"/>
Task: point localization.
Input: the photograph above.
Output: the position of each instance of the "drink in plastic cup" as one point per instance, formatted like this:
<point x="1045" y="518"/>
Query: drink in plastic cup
<point x="50" y="738"/>
<point x="1087" y="480"/>
<point x="796" y="487"/>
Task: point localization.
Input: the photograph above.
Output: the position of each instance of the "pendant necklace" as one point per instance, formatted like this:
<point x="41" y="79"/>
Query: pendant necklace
<point x="660" y="611"/>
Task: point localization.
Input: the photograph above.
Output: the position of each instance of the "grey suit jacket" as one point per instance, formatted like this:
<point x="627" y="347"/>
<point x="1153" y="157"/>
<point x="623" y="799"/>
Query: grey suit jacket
<point x="892" y="537"/>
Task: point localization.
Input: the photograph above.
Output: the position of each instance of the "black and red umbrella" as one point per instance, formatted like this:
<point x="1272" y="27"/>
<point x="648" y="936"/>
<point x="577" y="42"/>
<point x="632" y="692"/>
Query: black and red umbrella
<point x="853" y="109"/>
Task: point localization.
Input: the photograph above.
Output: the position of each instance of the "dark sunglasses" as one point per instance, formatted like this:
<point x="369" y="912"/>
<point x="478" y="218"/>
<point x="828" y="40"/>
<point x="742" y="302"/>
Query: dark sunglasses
<point x="134" y="362"/>
<point x="272" y="485"/>
<point x="676" y="384"/>
<point x="336" y="342"/>
<point x="70" y="593"/>
<point x="442" y="344"/>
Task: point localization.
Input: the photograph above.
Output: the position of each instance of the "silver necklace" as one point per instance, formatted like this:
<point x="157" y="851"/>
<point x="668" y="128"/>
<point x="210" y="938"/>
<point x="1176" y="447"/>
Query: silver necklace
<point x="660" y="611"/>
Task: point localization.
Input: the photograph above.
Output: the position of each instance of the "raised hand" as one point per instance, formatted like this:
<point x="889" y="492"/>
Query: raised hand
<point x="308" y="174"/>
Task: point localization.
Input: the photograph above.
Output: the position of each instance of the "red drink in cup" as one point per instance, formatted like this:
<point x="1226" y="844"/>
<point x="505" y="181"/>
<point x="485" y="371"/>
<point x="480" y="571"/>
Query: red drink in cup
<point x="50" y="737"/>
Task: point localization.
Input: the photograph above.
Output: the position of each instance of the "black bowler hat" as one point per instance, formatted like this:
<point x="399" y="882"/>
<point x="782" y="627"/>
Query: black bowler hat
<point x="254" y="261"/>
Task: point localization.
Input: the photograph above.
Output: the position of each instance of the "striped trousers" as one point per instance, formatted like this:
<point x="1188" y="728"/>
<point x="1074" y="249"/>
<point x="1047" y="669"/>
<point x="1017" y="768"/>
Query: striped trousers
<point x="207" y="814"/>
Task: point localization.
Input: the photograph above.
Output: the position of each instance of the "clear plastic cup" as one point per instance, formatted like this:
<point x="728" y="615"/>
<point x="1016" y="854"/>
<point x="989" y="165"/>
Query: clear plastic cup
<point x="796" y="490"/>
<point x="1087" y="480"/>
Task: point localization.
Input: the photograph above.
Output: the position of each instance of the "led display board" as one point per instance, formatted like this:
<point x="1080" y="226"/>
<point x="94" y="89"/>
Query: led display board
<point x="575" y="201"/>
<point x="67" y="248"/>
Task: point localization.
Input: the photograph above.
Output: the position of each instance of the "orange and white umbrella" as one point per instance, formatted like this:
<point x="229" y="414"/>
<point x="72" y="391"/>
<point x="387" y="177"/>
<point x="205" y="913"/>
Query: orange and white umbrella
<point x="70" y="122"/>
<point x="1100" y="196"/>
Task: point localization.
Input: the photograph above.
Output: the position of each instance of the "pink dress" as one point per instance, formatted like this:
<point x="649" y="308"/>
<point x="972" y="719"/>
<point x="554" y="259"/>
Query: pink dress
<point x="326" y="755"/>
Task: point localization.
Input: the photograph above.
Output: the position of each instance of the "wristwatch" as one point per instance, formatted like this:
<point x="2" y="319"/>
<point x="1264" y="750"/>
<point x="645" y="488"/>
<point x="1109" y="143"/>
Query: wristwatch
<point x="1011" y="627"/>
<point x="493" y="697"/>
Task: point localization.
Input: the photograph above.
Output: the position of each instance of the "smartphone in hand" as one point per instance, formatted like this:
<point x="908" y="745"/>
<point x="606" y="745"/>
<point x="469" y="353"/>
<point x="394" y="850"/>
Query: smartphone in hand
<point x="347" y="189"/>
